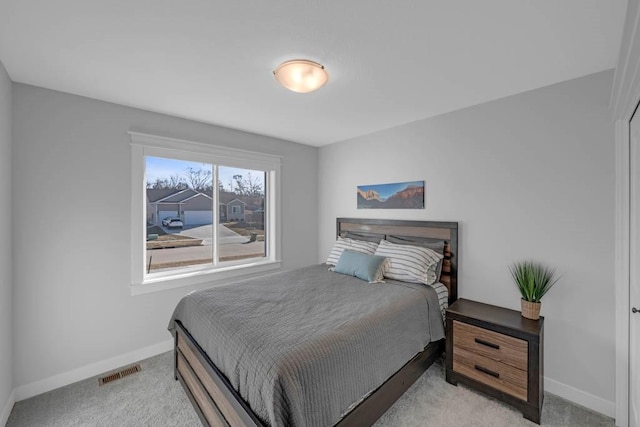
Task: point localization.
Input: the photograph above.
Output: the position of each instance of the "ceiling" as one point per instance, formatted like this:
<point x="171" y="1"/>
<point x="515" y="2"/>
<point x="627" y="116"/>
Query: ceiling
<point x="390" y="62"/>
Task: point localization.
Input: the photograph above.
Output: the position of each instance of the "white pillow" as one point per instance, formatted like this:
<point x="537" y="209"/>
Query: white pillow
<point x="410" y="263"/>
<point x="353" y="245"/>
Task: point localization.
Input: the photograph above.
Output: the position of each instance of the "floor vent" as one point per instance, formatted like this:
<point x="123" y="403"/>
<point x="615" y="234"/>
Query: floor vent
<point x="120" y="374"/>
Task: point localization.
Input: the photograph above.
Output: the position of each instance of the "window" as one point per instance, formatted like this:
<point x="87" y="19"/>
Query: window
<point x="200" y="213"/>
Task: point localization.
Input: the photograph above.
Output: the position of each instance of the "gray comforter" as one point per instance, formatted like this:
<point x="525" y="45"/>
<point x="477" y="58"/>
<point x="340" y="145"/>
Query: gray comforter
<point x="303" y="347"/>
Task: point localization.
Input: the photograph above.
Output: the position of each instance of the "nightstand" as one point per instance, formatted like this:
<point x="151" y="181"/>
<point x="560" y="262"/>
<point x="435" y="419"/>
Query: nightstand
<point x="497" y="352"/>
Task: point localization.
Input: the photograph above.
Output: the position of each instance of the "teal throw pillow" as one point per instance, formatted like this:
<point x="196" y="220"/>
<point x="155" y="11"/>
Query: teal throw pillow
<point x="363" y="266"/>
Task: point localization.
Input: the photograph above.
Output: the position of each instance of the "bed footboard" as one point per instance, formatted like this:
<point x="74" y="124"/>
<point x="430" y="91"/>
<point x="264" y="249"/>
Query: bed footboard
<point x="214" y="399"/>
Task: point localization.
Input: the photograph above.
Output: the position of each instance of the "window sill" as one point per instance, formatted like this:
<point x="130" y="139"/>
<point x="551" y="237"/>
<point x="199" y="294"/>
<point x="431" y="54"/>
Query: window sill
<point x="211" y="277"/>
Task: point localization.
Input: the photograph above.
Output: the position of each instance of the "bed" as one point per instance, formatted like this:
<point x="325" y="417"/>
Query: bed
<point x="338" y="351"/>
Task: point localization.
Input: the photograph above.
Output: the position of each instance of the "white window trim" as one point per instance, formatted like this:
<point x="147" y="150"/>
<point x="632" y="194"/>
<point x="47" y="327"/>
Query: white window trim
<point x="142" y="145"/>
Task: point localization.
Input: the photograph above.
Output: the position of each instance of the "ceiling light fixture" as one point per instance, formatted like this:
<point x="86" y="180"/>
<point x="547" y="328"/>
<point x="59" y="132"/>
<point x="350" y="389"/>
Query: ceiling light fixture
<point x="301" y="75"/>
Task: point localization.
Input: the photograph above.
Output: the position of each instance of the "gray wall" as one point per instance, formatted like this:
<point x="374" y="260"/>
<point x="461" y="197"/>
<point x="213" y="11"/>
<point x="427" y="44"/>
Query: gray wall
<point x="6" y="286"/>
<point x="72" y="262"/>
<point x="528" y="176"/>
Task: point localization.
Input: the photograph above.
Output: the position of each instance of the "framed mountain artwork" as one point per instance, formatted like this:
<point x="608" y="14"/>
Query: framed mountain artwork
<point x="400" y="195"/>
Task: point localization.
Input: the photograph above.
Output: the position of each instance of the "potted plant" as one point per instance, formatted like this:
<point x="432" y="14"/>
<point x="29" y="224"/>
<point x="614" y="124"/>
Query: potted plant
<point x="533" y="281"/>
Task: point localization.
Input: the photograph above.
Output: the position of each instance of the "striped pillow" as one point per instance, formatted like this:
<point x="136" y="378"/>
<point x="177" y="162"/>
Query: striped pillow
<point x="443" y="297"/>
<point x="353" y="245"/>
<point x="410" y="263"/>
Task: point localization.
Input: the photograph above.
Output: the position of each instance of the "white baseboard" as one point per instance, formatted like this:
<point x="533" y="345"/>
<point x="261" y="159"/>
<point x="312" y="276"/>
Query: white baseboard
<point x="38" y="387"/>
<point x="580" y="397"/>
<point x="6" y="411"/>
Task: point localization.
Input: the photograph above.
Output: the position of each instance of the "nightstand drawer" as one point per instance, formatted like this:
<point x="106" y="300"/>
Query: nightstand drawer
<point x="493" y="345"/>
<point x="498" y="375"/>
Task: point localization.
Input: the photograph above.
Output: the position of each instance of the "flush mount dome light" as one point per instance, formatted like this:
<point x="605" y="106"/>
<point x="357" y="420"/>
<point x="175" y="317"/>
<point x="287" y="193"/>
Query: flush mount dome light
<point x="301" y="75"/>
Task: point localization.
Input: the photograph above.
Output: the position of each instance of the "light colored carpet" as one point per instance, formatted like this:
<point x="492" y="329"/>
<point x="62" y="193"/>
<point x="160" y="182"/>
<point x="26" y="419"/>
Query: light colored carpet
<point x="149" y="398"/>
<point x="153" y="398"/>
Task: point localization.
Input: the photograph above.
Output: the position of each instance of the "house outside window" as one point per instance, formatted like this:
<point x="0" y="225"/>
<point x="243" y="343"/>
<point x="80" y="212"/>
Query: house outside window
<point x="188" y="218"/>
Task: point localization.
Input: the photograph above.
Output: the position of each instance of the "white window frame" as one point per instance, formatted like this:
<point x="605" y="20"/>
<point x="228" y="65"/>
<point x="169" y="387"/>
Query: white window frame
<point x="143" y="145"/>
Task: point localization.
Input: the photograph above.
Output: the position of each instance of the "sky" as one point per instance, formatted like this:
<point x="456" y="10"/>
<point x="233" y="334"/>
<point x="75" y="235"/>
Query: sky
<point x="161" y="168"/>
<point x="386" y="190"/>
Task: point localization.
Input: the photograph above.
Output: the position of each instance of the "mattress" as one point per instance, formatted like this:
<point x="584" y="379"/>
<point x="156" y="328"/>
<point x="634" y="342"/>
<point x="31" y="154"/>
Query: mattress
<point x="304" y="346"/>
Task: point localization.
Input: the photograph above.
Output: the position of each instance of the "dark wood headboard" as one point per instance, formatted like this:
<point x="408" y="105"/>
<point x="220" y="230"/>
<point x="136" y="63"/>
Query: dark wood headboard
<point x="447" y="231"/>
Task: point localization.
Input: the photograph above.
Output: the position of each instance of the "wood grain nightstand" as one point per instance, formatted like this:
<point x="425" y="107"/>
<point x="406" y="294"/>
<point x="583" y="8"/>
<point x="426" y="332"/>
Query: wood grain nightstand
<point x="498" y="352"/>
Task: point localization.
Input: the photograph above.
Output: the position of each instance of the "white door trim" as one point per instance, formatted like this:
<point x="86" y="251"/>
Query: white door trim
<point x="622" y="284"/>
<point x="624" y="98"/>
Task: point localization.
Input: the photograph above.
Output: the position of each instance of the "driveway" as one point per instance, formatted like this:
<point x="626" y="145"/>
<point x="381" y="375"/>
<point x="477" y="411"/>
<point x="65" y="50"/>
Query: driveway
<point x="203" y="232"/>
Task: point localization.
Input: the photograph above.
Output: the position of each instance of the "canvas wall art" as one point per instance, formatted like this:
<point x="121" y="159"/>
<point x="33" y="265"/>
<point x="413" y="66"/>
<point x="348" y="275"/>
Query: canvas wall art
<point x="400" y="195"/>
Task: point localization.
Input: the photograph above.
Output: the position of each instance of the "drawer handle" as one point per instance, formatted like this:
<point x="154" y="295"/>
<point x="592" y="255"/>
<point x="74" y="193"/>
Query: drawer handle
<point x="487" y="371"/>
<point x="488" y="344"/>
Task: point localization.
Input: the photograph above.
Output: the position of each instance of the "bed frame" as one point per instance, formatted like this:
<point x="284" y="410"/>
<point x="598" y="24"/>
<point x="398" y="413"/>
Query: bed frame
<point x="217" y="403"/>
